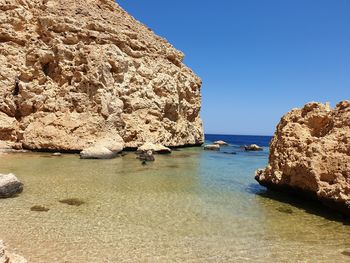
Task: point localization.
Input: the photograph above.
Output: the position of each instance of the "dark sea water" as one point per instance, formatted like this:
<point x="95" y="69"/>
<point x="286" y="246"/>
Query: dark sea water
<point x="240" y="139"/>
<point x="190" y="206"/>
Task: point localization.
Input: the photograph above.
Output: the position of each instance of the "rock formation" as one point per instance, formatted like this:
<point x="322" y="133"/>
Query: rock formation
<point x="6" y="257"/>
<point x="74" y="71"/>
<point x="9" y="185"/>
<point x="154" y="148"/>
<point x="310" y="154"/>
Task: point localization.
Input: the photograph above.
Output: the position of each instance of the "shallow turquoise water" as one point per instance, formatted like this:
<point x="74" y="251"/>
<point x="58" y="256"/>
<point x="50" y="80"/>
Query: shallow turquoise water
<point x="190" y="206"/>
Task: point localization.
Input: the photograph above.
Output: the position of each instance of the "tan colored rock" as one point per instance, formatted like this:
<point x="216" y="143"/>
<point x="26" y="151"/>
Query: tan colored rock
<point x="105" y="148"/>
<point x="154" y="148"/>
<point x="310" y="153"/>
<point x="221" y="143"/>
<point x="6" y="257"/>
<point x="75" y="71"/>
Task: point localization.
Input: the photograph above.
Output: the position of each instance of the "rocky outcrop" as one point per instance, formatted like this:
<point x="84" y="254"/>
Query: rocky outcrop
<point x="310" y="154"/>
<point x="6" y="257"/>
<point x="74" y="71"/>
<point x="9" y="185"/>
<point x="106" y="148"/>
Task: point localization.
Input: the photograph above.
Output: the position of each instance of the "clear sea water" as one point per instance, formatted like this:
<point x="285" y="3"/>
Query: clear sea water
<point x="190" y="206"/>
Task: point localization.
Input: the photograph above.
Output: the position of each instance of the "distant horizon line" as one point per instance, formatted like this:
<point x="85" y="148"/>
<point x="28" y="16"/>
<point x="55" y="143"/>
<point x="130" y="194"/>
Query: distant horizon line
<point x="225" y="134"/>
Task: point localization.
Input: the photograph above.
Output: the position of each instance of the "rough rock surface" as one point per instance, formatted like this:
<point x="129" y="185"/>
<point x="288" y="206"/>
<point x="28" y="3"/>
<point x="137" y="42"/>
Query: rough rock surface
<point x="6" y="257"/>
<point x="212" y="147"/>
<point x="104" y="149"/>
<point x="9" y="185"/>
<point x="221" y="143"/>
<point x="154" y="148"/>
<point x="310" y="154"/>
<point x="74" y="71"/>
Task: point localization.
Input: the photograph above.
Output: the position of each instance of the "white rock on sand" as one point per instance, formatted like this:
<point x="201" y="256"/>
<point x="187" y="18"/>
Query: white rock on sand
<point x="9" y="185"/>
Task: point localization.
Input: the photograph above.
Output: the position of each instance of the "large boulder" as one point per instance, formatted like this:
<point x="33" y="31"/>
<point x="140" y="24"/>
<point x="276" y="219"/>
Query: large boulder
<point x="6" y="257"/>
<point x="106" y="148"/>
<point x="154" y="148"/>
<point x="310" y="155"/>
<point x="9" y="185"/>
<point x="74" y="70"/>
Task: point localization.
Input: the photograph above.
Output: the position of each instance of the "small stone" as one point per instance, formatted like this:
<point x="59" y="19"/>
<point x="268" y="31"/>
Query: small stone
<point x="346" y="253"/>
<point x="9" y="185"/>
<point x="285" y="210"/>
<point x="252" y="147"/>
<point x="221" y="143"/>
<point x="212" y="147"/>
<point x="56" y="154"/>
<point x="39" y="208"/>
<point x="72" y="201"/>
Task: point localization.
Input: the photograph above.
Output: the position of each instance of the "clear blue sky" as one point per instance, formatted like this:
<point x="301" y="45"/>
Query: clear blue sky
<point x="257" y="58"/>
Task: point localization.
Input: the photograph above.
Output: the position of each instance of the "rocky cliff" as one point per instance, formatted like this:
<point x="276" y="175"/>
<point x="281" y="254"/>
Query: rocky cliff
<point x="72" y="71"/>
<point x="310" y="154"/>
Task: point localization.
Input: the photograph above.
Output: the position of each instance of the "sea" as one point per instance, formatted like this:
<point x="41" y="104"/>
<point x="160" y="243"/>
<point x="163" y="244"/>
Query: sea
<point x="189" y="206"/>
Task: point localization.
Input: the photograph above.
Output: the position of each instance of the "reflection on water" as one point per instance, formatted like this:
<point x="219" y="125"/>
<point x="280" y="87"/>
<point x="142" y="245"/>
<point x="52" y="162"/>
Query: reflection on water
<point x="190" y="206"/>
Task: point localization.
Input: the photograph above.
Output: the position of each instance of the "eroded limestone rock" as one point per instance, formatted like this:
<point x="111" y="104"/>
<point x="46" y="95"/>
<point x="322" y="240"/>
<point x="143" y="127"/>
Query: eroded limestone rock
<point x="73" y="71"/>
<point x="310" y="153"/>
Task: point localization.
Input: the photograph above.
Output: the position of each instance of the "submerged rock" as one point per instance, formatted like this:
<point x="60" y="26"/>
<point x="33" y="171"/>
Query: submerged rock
<point x="154" y="148"/>
<point x="310" y="155"/>
<point x="39" y="208"/>
<point x="221" y="143"/>
<point x="252" y="147"/>
<point x="104" y="149"/>
<point x="9" y="185"/>
<point x="72" y="201"/>
<point x="75" y="71"/>
<point x="212" y="147"/>
<point x="146" y="156"/>
<point x="7" y="257"/>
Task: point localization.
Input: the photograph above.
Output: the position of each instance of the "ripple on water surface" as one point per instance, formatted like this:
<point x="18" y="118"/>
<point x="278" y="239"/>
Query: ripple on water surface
<point x="190" y="206"/>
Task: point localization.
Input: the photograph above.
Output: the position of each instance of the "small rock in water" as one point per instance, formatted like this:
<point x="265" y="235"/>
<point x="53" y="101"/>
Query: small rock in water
<point x="39" y="208"/>
<point x="346" y="253"/>
<point x="212" y="147"/>
<point x="252" y="147"/>
<point x="221" y="143"/>
<point x="285" y="210"/>
<point x="56" y="154"/>
<point x="146" y="156"/>
<point x="144" y="163"/>
<point x="72" y="201"/>
<point x="9" y="185"/>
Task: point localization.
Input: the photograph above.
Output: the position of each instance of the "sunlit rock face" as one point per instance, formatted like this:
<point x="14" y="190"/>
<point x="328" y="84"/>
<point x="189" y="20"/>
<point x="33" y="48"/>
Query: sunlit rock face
<point x="310" y="153"/>
<point x="75" y="71"/>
